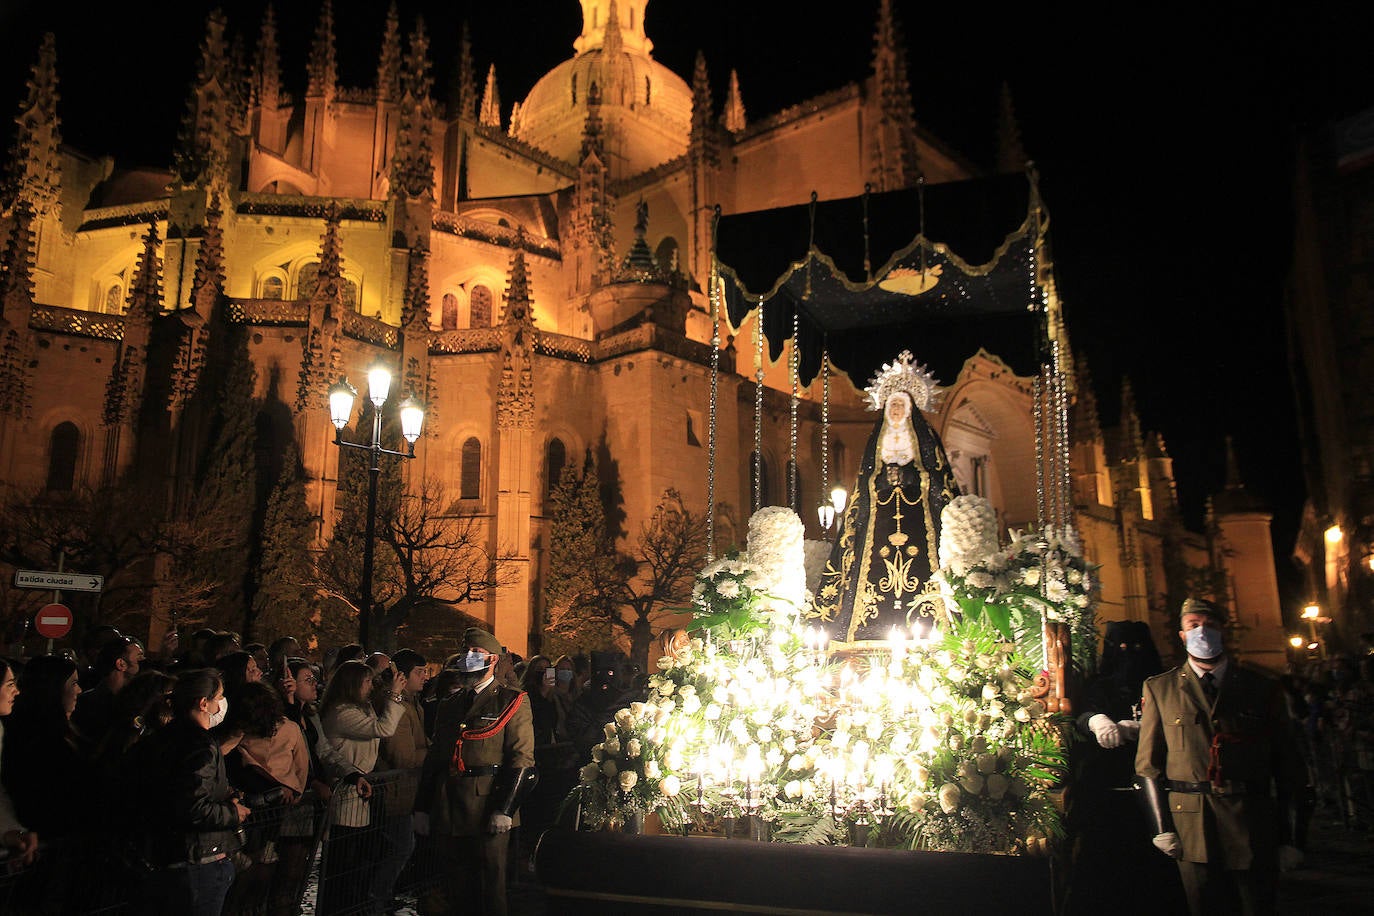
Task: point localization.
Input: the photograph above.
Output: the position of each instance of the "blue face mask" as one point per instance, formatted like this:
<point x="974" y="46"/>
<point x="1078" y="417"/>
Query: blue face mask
<point x="1204" y="642"/>
<point x="565" y="676"/>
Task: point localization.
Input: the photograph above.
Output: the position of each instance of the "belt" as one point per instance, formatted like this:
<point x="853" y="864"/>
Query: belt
<point x="480" y="771"/>
<point x="1206" y="788"/>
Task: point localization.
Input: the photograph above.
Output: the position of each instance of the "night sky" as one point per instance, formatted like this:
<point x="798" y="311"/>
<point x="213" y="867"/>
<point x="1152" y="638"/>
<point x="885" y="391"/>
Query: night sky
<point x="1163" y="134"/>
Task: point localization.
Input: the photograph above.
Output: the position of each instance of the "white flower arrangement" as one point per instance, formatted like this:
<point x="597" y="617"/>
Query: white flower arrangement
<point x="777" y="548"/>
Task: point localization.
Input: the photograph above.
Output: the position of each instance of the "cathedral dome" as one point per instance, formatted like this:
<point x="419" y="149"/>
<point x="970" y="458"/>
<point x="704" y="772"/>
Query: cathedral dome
<point x="646" y="109"/>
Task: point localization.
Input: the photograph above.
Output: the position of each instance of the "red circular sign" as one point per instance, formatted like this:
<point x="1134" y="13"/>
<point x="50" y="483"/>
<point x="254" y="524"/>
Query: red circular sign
<point x="54" y="621"/>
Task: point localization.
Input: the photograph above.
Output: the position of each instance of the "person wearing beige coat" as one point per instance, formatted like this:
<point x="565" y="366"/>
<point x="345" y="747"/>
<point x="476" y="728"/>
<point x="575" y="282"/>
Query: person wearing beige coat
<point x="1220" y="772"/>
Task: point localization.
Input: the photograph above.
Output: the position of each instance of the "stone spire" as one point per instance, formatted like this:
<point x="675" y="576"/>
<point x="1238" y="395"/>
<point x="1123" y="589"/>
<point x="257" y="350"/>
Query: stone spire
<point x="514" y="127"/>
<point x="415" y="303"/>
<point x="415" y="338"/>
<point x="267" y="64"/>
<point x="124" y="391"/>
<point x="321" y="355"/>
<point x="592" y="228"/>
<point x="733" y="116"/>
<point x="412" y="164"/>
<point x="16" y="308"/>
<point x="201" y="159"/>
<point x="34" y="171"/>
<point x="490" y="115"/>
<point x="1234" y="498"/>
<point x="207" y="285"/>
<point x="1011" y="154"/>
<point x="1087" y="423"/>
<point x="389" y="60"/>
<point x="639" y="263"/>
<point x="515" y="392"/>
<point x="322" y="68"/>
<point x="895" y="159"/>
<point x="16" y="270"/>
<point x="1132" y="444"/>
<point x="612" y="43"/>
<point x="462" y="94"/>
<point x="702" y="140"/>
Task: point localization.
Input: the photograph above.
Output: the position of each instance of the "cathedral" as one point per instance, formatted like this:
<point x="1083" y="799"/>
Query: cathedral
<point x="540" y="279"/>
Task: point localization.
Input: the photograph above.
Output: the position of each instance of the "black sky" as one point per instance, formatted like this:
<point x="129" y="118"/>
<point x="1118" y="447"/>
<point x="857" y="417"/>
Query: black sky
<point x="1163" y="134"/>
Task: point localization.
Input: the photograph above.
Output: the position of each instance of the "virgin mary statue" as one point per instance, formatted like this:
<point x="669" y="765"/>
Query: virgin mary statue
<point x="888" y="542"/>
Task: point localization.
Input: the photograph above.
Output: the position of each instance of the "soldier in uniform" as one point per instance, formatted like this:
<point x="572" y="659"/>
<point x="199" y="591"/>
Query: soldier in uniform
<point x="475" y="774"/>
<point x="1220" y="772"/>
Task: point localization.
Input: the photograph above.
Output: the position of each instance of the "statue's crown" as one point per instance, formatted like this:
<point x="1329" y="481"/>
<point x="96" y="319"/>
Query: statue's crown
<point x="904" y="374"/>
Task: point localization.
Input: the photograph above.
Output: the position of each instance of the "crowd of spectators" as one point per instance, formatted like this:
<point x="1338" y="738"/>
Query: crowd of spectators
<point x="151" y="765"/>
<point x="1332" y="700"/>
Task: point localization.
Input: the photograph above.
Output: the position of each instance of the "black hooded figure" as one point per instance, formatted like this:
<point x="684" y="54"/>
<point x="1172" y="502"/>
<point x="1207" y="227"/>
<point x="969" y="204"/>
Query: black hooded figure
<point x="1110" y="836"/>
<point x="888" y="542"/>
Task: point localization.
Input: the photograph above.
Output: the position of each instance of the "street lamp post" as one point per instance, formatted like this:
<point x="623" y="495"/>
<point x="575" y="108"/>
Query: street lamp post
<point x="341" y="397"/>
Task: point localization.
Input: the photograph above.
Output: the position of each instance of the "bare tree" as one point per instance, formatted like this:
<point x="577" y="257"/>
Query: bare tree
<point x="423" y="554"/>
<point x="633" y="593"/>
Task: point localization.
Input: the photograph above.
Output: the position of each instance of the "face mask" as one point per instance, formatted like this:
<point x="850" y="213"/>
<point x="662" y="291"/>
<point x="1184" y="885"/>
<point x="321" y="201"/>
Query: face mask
<point x="217" y="717"/>
<point x="565" y="676"/>
<point x="1204" y="642"/>
<point x="474" y="661"/>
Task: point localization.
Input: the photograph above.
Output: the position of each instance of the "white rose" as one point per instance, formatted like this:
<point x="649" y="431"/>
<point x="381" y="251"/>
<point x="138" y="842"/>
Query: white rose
<point x="609" y="768"/>
<point x="666" y="689"/>
<point x="687" y="690"/>
<point x="671" y="785"/>
<point x="598" y="753"/>
<point x="628" y="780"/>
<point x="793" y="789"/>
<point x="915" y="801"/>
<point x="921" y="776"/>
<point x="956" y="674"/>
<point x="651" y="769"/>
<point x="972" y="784"/>
<point x="764" y="734"/>
<point x="609" y="729"/>
<point x="632" y="748"/>
<point x="637" y="710"/>
<point x="691" y="704"/>
<point x="712" y="712"/>
<point x="987" y="764"/>
<point x="1075" y="577"/>
<point x="612" y="746"/>
<point x="773" y="757"/>
<point x="1021" y="714"/>
<point x="979" y="745"/>
<point x="997" y="786"/>
<point x="796" y="763"/>
<point x="789" y="744"/>
<point x="625" y="719"/>
<point x="989" y="692"/>
<point x="587" y="775"/>
<point x="949" y="798"/>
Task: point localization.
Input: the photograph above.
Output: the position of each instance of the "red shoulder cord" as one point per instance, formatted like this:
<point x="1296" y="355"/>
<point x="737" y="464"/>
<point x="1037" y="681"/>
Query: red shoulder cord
<point x="491" y="731"/>
<point x="1219" y="739"/>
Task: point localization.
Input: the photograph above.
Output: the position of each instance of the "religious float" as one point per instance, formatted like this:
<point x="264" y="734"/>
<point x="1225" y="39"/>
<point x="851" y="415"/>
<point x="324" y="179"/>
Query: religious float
<point x="883" y="716"/>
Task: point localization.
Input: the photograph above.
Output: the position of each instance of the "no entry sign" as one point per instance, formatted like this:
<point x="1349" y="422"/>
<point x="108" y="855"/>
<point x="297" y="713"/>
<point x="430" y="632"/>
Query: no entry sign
<point x="54" y="621"/>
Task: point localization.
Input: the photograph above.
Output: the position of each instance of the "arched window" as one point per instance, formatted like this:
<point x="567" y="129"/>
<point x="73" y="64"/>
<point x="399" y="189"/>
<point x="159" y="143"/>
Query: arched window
<point x="648" y="87"/>
<point x="449" y="312"/>
<point x="555" y="461"/>
<point x="666" y="255"/>
<point x="307" y="280"/>
<point x="838" y="464"/>
<point x="574" y="88"/>
<point x="759" y="481"/>
<point x="64" y="446"/>
<point x="470" y="485"/>
<point x="273" y="288"/>
<point x="114" y="299"/>
<point x="479" y="315"/>
<point x="351" y="299"/>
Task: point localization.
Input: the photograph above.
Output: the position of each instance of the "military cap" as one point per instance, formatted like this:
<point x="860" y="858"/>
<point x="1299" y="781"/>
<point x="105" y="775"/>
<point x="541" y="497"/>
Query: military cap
<point x="1203" y="606"/>
<point x="476" y="637"/>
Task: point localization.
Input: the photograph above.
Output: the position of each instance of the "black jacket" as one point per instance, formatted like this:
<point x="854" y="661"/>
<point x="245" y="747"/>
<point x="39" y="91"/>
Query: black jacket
<point x="183" y="796"/>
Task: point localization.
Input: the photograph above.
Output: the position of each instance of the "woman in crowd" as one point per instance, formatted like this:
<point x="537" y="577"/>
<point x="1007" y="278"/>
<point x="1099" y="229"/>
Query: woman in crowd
<point x="141" y="708"/>
<point x="21" y="843"/>
<point x="270" y="766"/>
<point x="190" y="819"/>
<point x="355" y="729"/>
<point x="46" y="763"/>
<point x="238" y="668"/>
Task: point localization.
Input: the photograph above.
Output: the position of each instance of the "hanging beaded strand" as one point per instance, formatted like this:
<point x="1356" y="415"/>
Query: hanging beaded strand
<point x="758" y="410"/>
<point x="825" y="422"/>
<point x="711" y="433"/>
<point x="793" y="369"/>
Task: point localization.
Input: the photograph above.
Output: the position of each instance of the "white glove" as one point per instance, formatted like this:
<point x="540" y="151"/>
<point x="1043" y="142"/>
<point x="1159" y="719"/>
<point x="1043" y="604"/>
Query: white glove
<point x="419" y="822"/>
<point x="500" y="823"/>
<point x="1105" y="731"/>
<point x="1168" y="844"/>
<point x="1130" y="729"/>
<point x="1290" y="857"/>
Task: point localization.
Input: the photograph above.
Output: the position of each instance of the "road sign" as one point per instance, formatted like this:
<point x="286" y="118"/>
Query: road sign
<point x="53" y="621"/>
<point x="66" y="581"/>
